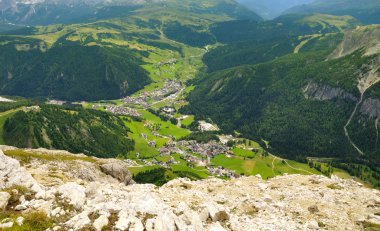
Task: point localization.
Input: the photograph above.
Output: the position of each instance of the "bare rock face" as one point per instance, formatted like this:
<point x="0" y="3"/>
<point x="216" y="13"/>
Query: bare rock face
<point x="12" y="174"/>
<point x="321" y="92"/>
<point x="371" y="108"/>
<point x="288" y="203"/>
<point x="119" y="171"/>
<point x="74" y="193"/>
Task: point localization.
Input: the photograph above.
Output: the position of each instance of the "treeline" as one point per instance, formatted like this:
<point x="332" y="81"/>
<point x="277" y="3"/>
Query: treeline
<point x="19" y="102"/>
<point x="367" y="172"/>
<point x="77" y="130"/>
<point x="202" y="137"/>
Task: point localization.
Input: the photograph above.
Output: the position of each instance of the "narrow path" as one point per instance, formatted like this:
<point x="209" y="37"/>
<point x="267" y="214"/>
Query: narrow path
<point x="298" y="169"/>
<point x="349" y="122"/>
<point x="377" y="131"/>
<point x="286" y="162"/>
<point x="275" y="157"/>
<point x="363" y="85"/>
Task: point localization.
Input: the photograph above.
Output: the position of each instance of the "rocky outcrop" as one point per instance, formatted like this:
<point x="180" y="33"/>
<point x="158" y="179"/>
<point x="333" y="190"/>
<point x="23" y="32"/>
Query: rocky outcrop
<point x="322" y="92"/>
<point x="118" y="170"/>
<point x="371" y="108"/>
<point x="67" y="167"/>
<point x="289" y="202"/>
<point x="11" y="174"/>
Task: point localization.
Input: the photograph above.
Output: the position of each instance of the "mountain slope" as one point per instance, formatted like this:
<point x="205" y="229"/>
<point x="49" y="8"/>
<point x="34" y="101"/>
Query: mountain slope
<point x="108" y="59"/>
<point x="300" y="103"/>
<point x="77" y="130"/>
<point x="367" y="11"/>
<point x="47" y="12"/>
<point x="71" y="71"/>
<point x="250" y="42"/>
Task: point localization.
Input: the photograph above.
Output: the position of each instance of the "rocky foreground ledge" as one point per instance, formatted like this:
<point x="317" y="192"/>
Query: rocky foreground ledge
<point x="94" y="196"/>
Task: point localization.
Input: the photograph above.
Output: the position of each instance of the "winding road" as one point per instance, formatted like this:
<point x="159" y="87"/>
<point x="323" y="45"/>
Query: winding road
<point x="349" y="122"/>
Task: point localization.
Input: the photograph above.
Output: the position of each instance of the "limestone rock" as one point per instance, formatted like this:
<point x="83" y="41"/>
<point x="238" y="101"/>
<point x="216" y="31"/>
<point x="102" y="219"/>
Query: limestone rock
<point x="217" y="227"/>
<point x="313" y="225"/>
<point x="21" y="207"/>
<point x="20" y="221"/>
<point x="12" y="174"/>
<point x="74" y="193"/>
<point x="6" y="224"/>
<point x="286" y="203"/>
<point x="4" y="197"/>
<point x="119" y="171"/>
<point x="101" y="222"/>
<point x="79" y="221"/>
<point x="216" y="213"/>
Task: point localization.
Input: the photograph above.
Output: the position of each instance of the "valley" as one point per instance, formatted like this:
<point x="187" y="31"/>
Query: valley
<point x="149" y="100"/>
<point x="168" y="115"/>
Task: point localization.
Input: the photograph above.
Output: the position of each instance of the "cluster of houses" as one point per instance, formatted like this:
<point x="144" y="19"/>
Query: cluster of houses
<point x="164" y="164"/>
<point x="56" y="102"/>
<point x="130" y="162"/>
<point x="167" y="62"/>
<point x="141" y="100"/>
<point x="31" y="108"/>
<point x="170" y="87"/>
<point x="209" y="149"/>
<point x="121" y="110"/>
<point x="222" y="172"/>
<point x="194" y="160"/>
<point x="169" y="111"/>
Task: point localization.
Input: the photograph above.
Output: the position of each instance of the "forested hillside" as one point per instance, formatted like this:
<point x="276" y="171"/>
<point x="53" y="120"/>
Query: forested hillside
<point x="69" y="71"/>
<point x="251" y="42"/>
<point x="300" y="103"/>
<point x="77" y="130"/>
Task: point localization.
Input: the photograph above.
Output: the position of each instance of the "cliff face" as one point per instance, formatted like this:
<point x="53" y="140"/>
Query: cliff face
<point x="322" y="92"/>
<point x="290" y="202"/>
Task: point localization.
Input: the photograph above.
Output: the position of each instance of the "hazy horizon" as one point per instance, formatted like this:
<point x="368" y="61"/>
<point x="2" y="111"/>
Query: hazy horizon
<point x="270" y="9"/>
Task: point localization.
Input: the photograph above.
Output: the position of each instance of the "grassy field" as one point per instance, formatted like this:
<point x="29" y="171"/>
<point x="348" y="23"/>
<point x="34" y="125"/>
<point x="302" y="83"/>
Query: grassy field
<point x="188" y="120"/>
<point x="25" y="156"/>
<point x="268" y="166"/>
<point x="243" y="152"/>
<point x="182" y="166"/>
<point x="136" y="170"/>
<point x="166" y="128"/>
